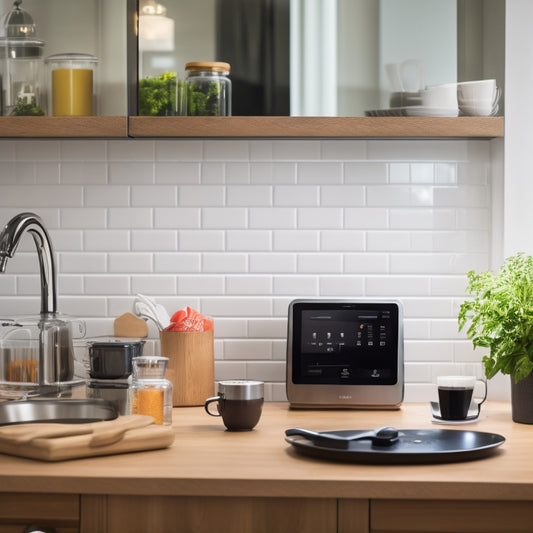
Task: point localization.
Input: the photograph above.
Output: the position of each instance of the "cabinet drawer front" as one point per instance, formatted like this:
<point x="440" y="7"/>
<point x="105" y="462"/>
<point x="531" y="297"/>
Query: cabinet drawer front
<point x="454" y="516"/>
<point x="161" y="514"/>
<point x="62" y="509"/>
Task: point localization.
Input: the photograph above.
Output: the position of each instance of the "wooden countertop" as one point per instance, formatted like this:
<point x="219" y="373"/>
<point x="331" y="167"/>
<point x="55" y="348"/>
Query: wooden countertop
<point x="207" y="460"/>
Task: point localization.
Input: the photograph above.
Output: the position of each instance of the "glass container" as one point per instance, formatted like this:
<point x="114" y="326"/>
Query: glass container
<point x="72" y="82"/>
<point x="21" y="65"/>
<point x="150" y="392"/>
<point x="208" y="89"/>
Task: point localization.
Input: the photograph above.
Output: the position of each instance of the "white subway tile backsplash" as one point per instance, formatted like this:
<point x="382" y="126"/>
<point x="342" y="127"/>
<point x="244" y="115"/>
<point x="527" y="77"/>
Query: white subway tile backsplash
<point x="239" y="228"/>
<point x="365" y="172"/>
<point x="342" y="240"/>
<point x="201" y="240"/>
<point x="250" y="240"/>
<point x="107" y="285"/>
<point x="177" y="217"/>
<point x="319" y="172"/>
<point x="273" y="173"/>
<point x="224" y="217"/>
<point x="341" y="286"/>
<point x="177" y="173"/>
<point x="76" y="172"/>
<point x="272" y="262"/>
<point x="176" y="262"/>
<point x="212" y="173"/>
<point x="151" y="195"/>
<point x="106" y="240"/>
<point x="153" y="240"/>
<point x="127" y="263"/>
<point x="296" y="195"/>
<point x="82" y="262"/>
<point x="223" y="262"/>
<point x="339" y="150"/>
<point x="130" y="218"/>
<point x="296" y="240"/>
<point x="90" y="150"/>
<point x="201" y="195"/>
<point x="273" y="217"/>
<point x="132" y="173"/>
<point x="37" y="196"/>
<point x="85" y="218"/>
<point x="319" y="217"/>
<point x="342" y="195"/>
<point x="237" y="173"/>
<point x="246" y="285"/>
<point x="226" y="150"/>
<point x="246" y="195"/>
<point x="179" y="150"/>
<point x="37" y="150"/>
<point x="205" y="284"/>
<point x="319" y="263"/>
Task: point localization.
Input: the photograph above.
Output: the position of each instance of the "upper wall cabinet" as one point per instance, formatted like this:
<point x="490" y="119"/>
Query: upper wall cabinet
<point x="66" y="60"/>
<point x="327" y="68"/>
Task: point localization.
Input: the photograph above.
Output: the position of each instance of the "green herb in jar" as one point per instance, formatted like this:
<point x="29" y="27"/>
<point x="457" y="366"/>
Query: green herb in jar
<point x="157" y="95"/>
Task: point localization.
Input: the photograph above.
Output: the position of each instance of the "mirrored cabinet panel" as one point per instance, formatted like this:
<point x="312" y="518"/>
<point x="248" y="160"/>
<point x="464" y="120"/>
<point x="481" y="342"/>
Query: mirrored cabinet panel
<point x="323" y="58"/>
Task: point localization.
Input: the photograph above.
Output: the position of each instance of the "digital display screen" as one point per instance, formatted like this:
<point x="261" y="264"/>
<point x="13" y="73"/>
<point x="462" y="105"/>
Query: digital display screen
<point x="352" y="343"/>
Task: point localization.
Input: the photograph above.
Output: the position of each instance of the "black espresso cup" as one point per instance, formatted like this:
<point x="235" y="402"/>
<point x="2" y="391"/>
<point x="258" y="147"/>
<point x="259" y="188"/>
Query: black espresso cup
<point x="455" y="396"/>
<point x="239" y="403"/>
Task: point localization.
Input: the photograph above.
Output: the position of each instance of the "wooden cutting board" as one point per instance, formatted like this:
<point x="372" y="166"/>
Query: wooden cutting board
<point x="59" y="442"/>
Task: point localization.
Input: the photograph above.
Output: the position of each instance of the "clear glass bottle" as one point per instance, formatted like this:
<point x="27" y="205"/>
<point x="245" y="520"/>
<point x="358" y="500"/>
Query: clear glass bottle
<point x="150" y="392"/>
<point x="208" y="89"/>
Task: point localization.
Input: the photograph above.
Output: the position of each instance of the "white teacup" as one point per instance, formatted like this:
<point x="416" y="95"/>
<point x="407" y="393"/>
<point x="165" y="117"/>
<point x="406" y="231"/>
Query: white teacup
<point x="441" y="96"/>
<point x="478" y="98"/>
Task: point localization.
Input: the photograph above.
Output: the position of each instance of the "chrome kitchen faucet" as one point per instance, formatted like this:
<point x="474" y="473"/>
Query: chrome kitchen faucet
<point x="51" y="370"/>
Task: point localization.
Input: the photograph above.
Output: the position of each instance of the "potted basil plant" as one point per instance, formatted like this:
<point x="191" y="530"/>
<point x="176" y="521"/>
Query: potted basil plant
<point x="500" y="317"/>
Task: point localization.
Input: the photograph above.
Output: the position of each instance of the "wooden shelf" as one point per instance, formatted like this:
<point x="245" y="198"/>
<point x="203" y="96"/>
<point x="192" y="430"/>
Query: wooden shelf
<point x="72" y="127"/>
<point x="254" y="127"/>
<point x="317" y="127"/>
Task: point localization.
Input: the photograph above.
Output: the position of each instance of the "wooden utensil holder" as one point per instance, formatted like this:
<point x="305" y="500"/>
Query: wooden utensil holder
<point x="191" y="365"/>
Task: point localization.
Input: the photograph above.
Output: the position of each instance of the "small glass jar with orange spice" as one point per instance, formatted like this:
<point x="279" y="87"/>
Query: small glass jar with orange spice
<point x="150" y="392"/>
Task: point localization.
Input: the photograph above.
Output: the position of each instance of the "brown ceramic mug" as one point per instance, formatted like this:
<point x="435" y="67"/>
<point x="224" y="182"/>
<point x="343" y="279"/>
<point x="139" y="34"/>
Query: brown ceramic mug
<point x="239" y="403"/>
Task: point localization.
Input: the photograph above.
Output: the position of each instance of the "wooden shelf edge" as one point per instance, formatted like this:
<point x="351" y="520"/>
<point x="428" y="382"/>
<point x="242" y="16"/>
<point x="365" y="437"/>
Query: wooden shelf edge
<point x="110" y="127"/>
<point x="317" y="127"/>
<point x="61" y="127"/>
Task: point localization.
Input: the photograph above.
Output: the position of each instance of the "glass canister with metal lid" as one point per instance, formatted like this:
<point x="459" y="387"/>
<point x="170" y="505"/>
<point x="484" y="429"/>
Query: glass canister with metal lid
<point x="208" y="89"/>
<point x="21" y="65"/>
<point x="150" y="392"/>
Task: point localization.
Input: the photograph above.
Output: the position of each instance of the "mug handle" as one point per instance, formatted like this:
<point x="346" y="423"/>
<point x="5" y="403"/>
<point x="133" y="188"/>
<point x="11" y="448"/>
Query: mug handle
<point x="476" y="400"/>
<point x="209" y="401"/>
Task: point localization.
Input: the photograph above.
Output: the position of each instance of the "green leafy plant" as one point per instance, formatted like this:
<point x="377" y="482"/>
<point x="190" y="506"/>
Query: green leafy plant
<point x="25" y="109"/>
<point x="500" y="316"/>
<point x="203" y="99"/>
<point x="157" y="95"/>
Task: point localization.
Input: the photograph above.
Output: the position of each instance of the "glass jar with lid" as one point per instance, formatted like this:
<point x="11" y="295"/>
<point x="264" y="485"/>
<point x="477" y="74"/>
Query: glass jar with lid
<point x="208" y="89"/>
<point x="72" y="84"/>
<point x="150" y="392"/>
<point x="21" y="66"/>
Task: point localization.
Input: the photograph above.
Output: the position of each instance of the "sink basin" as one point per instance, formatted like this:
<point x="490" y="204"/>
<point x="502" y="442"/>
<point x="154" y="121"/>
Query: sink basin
<point x="63" y="411"/>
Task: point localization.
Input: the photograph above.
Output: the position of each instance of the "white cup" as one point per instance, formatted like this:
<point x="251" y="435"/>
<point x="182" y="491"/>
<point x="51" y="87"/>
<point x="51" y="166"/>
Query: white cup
<point x="441" y="96"/>
<point x="478" y="98"/>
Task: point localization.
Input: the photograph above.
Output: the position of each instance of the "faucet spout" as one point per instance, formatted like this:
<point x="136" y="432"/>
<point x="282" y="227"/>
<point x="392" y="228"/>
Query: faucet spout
<point x="9" y="241"/>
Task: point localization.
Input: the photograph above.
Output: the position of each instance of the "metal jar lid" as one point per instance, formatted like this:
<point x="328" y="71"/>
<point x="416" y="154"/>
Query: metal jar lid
<point x="241" y="389"/>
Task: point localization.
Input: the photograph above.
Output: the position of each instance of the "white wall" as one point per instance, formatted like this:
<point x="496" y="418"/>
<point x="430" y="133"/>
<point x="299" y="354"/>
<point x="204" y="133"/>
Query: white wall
<point x="236" y="229"/>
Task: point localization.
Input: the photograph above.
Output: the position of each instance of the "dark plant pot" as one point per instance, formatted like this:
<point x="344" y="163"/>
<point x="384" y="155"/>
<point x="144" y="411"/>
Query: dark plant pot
<point x="522" y="400"/>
